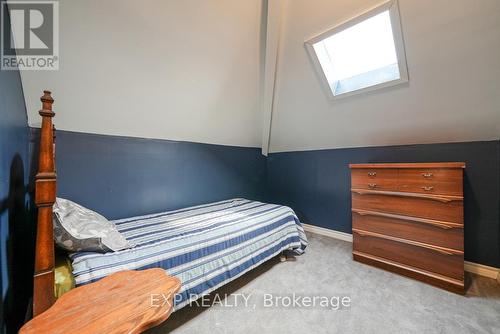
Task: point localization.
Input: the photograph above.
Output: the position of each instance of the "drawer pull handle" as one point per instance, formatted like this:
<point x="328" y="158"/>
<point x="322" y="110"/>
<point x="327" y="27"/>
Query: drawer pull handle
<point x="361" y="233"/>
<point x="444" y="226"/>
<point x="442" y="251"/>
<point x="427" y="175"/>
<point x="372" y="174"/>
<point x="430" y="188"/>
<point x="432" y="197"/>
<point x="372" y="185"/>
<point x="408" y="242"/>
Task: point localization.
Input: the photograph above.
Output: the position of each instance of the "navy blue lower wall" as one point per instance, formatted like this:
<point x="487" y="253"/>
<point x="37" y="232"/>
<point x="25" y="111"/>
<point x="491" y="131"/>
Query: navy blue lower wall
<point x="16" y="225"/>
<point x="316" y="184"/>
<point x="123" y="176"/>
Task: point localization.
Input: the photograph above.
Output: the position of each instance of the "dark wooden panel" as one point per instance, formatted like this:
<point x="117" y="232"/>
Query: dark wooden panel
<point x="417" y="229"/>
<point x="441" y="261"/>
<point x="375" y="179"/>
<point x="431" y="181"/>
<point x="438" y="209"/>
<point x="439" y="281"/>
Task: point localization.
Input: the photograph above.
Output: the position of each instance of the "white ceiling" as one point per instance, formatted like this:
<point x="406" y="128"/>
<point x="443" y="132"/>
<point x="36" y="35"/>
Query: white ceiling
<point x="453" y="54"/>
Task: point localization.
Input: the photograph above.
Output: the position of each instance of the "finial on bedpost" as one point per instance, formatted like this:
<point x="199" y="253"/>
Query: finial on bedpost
<point x="47" y="96"/>
<point x="45" y="197"/>
<point x="47" y="102"/>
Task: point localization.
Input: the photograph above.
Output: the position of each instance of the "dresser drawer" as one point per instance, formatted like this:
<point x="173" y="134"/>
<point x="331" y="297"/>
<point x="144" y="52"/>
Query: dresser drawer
<point x="375" y="179"/>
<point x="410" y="228"/>
<point x="435" y="260"/>
<point x="431" y="181"/>
<point x="443" y="210"/>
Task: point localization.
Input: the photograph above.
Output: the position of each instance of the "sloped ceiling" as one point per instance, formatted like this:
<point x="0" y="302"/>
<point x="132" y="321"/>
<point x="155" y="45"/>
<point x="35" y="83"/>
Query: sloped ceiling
<point x="193" y="70"/>
<point x="453" y="54"/>
<point x="181" y="70"/>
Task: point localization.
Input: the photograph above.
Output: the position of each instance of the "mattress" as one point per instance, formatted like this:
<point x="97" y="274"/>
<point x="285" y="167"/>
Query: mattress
<point x="205" y="246"/>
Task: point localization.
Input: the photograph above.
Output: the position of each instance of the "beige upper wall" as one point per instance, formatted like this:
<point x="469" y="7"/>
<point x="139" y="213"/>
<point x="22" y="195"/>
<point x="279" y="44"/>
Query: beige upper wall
<point x="453" y="54"/>
<point x="181" y="70"/>
<point x="191" y="70"/>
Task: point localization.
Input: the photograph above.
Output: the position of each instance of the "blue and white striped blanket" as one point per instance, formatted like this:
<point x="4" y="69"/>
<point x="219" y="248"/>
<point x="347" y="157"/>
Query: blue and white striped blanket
<point x="204" y="246"/>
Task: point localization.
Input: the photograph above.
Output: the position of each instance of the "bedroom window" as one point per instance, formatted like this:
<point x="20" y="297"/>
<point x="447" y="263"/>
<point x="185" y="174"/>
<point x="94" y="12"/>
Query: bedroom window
<point x="362" y="54"/>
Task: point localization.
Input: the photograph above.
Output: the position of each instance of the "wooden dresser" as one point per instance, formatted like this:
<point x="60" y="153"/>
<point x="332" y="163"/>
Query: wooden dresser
<point x="409" y="218"/>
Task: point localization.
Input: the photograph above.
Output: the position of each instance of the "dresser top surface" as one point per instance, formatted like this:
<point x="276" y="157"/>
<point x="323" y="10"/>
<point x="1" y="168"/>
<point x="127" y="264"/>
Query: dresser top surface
<point x="411" y="165"/>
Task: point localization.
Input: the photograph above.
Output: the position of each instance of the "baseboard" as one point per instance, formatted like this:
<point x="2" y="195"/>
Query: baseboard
<point x="471" y="267"/>
<point x="482" y="270"/>
<point x="328" y="233"/>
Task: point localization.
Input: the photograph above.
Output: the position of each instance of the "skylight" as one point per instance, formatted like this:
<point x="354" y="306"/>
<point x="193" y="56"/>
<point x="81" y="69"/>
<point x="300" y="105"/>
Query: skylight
<point x="362" y="54"/>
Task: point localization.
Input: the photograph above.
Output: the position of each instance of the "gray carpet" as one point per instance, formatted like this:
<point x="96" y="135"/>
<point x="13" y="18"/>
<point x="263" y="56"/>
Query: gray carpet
<point x="381" y="302"/>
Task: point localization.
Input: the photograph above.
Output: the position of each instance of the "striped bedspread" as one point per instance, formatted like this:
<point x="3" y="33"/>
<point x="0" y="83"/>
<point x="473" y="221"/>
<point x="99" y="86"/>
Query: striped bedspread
<point x="204" y="246"/>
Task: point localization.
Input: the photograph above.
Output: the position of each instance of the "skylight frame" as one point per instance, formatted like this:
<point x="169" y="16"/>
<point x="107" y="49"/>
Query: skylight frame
<point x="393" y="8"/>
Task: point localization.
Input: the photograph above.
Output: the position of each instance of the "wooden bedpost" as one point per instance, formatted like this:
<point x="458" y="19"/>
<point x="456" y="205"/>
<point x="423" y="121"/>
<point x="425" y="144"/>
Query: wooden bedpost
<point x="45" y="197"/>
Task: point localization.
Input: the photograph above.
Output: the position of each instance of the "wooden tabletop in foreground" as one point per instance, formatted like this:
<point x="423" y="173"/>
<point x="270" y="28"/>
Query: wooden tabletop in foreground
<point x="125" y="302"/>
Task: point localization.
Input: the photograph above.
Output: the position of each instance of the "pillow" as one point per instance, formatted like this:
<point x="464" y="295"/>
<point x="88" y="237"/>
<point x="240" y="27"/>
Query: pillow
<point x="79" y="229"/>
<point x="64" y="280"/>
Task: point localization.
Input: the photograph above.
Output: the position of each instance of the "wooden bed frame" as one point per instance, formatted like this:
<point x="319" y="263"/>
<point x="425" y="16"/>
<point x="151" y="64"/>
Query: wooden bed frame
<point x="45" y="197"/>
<point x="129" y="310"/>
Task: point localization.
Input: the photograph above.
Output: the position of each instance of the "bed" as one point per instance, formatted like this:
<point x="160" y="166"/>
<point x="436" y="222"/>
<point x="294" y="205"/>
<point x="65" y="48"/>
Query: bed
<point x="205" y="246"/>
